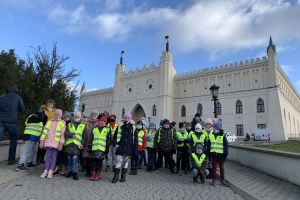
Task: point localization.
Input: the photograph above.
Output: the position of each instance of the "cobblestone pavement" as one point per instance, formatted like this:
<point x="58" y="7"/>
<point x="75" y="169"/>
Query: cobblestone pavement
<point x="161" y="185"/>
<point x="258" y="185"/>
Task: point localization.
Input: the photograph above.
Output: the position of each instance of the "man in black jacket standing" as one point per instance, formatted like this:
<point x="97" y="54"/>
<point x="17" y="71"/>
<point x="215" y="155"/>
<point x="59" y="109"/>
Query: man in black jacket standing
<point x="10" y="104"/>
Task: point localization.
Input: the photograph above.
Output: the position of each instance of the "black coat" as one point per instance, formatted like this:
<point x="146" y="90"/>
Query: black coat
<point x="128" y="144"/>
<point x="10" y="105"/>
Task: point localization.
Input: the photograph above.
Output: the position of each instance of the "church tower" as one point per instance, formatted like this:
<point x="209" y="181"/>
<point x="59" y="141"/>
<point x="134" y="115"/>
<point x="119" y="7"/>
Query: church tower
<point x="166" y="83"/>
<point x="119" y="73"/>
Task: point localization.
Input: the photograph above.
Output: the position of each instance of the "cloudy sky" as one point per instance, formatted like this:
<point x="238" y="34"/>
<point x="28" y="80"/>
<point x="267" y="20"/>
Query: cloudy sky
<point x="202" y="33"/>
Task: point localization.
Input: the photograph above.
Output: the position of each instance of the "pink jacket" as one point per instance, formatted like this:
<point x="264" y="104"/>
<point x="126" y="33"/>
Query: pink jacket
<point x="50" y="139"/>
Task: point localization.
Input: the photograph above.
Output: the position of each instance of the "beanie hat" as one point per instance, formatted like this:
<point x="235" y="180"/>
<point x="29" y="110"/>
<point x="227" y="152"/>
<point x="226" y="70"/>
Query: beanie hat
<point x="197" y="115"/>
<point x="128" y="115"/>
<point x="198" y="126"/>
<point x="217" y="125"/>
<point x="77" y="114"/>
<point x="58" y="112"/>
<point x="209" y="121"/>
<point x="152" y="124"/>
<point x="103" y="119"/>
<point x="94" y="112"/>
<point x="40" y="111"/>
<point x="67" y="114"/>
<point x="166" y="121"/>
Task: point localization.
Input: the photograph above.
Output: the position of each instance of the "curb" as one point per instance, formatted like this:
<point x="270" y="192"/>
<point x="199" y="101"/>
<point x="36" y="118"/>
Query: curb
<point x="246" y="195"/>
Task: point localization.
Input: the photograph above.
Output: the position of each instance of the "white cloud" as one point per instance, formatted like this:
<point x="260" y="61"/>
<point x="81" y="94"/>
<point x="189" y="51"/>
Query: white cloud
<point x="213" y="26"/>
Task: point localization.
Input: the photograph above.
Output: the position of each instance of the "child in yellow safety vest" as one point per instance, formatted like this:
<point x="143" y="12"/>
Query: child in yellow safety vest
<point x="199" y="163"/>
<point x="74" y="137"/>
<point x="52" y="140"/>
<point x="98" y="146"/>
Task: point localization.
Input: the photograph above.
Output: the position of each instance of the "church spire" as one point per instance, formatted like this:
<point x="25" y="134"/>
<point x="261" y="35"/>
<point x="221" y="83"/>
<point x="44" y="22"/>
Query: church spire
<point x="271" y="46"/>
<point x="121" y="58"/>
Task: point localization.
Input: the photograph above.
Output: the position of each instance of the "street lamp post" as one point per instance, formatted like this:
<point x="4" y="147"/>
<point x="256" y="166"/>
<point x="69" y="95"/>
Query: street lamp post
<point x="214" y="90"/>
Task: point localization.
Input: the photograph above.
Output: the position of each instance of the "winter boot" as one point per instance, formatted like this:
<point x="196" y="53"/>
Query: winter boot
<point x="44" y="174"/>
<point x="97" y="177"/>
<point x="123" y="175"/>
<point x="69" y="174"/>
<point x="75" y="176"/>
<point x="195" y="179"/>
<point x="50" y="173"/>
<point x="92" y="178"/>
<point x="131" y="171"/>
<point x="116" y="175"/>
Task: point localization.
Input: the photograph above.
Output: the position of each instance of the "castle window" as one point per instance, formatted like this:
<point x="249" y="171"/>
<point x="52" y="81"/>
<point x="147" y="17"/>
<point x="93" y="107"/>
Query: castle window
<point x="219" y="108"/>
<point x="129" y="90"/>
<point x="239" y="107"/>
<point x="183" y="111"/>
<point x="154" y="109"/>
<point x="150" y="86"/>
<point x="200" y="109"/>
<point x="239" y="130"/>
<point x="260" y="106"/>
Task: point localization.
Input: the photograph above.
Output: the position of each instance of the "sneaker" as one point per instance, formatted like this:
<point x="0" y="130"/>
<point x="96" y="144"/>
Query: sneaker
<point x="30" y="165"/>
<point x="21" y="168"/>
<point x="224" y="183"/>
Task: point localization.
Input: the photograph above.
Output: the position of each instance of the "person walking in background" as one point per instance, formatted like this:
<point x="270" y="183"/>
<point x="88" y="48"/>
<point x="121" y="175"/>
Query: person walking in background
<point x="98" y="145"/>
<point x="126" y="142"/>
<point x="92" y="123"/>
<point x="166" y="143"/>
<point x="218" y="149"/>
<point x="52" y="140"/>
<point x="33" y="130"/>
<point x="10" y="104"/>
<point x="182" y="148"/>
<point x="151" y="149"/>
<point x="74" y="138"/>
<point x="196" y="119"/>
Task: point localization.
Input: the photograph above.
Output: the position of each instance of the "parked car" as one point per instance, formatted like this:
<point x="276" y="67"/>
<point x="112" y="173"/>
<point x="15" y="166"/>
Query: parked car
<point x="261" y="134"/>
<point x="231" y="137"/>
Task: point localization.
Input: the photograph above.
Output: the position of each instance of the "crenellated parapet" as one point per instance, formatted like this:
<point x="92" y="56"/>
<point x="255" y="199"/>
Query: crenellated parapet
<point x="98" y="92"/>
<point x="241" y="64"/>
<point x="144" y="70"/>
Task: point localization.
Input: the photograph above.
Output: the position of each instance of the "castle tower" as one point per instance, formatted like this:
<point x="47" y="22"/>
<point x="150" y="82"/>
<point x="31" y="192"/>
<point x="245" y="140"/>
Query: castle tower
<point x="166" y="80"/>
<point x="119" y="73"/>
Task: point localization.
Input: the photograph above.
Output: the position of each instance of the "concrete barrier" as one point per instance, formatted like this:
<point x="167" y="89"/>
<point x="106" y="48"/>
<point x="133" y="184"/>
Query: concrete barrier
<point x="278" y="164"/>
<point x="4" y="147"/>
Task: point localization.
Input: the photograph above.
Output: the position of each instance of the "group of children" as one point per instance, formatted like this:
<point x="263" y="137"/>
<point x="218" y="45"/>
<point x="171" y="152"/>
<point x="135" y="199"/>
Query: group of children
<point x="70" y="140"/>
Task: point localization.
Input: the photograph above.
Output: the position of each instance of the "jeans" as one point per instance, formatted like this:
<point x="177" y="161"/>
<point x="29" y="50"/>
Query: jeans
<point x="151" y="159"/>
<point x="73" y="163"/>
<point x="12" y="129"/>
<point x="29" y="152"/>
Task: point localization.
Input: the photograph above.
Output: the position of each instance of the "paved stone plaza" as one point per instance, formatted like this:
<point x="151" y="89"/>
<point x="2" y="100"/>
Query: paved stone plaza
<point x="161" y="185"/>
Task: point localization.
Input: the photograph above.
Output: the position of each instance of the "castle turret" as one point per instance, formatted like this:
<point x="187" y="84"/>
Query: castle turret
<point x="271" y="52"/>
<point x="119" y="73"/>
<point x="166" y="79"/>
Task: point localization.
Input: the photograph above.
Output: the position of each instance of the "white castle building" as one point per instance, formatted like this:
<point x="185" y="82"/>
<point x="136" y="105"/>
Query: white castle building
<point x="253" y="94"/>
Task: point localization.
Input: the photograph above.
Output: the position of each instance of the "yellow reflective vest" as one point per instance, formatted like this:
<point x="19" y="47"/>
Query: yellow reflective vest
<point x="216" y="143"/>
<point x="78" y="133"/>
<point x="140" y="137"/>
<point x="203" y="137"/>
<point x="198" y="160"/>
<point x="181" y="137"/>
<point x="58" y="129"/>
<point x="100" y="139"/>
<point x="35" y="129"/>
<point x="150" y="138"/>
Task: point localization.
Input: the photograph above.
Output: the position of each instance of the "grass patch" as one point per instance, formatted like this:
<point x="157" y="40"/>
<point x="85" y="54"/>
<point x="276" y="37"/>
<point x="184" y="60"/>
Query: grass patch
<point x="289" y="146"/>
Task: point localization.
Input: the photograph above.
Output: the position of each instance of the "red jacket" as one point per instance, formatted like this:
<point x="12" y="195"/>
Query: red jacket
<point x="144" y="143"/>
